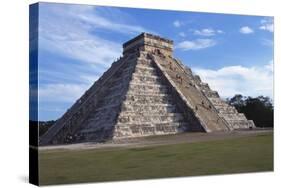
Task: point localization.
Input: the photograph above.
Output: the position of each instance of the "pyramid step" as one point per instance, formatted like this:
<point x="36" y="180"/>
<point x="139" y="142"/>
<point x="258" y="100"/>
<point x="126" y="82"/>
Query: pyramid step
<point x="219" y="103"/>
<point x="160" y="108"/>
<point x="164" y="98"/>
<point x="143" y="129"/>
<point x="148" y="79"/>
<point x="145" y="62"/>
<point x="146" y="99"/>
<point x="139" y="75"/>
<point x="168" y="117"/>
<point x="138" y="87"/>
<point x="145" y="81"/>
<point x="148" y="114"/>
<point x="236" y="116"/>
<point x="226" y="110"/>
<point x="210" y="93"/>
<point x="126" y="103"/>
<point x="146" y="72"/>
<point x="140" y="92"/>
<point x="145" y="67"/>
<point x="240" y="124"/>
<point x="120" y="125"/>
<point x="148" y="95"/>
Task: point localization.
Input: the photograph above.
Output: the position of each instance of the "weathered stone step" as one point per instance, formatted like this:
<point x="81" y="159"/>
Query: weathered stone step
<point x="218" y="102"/>
<point x="145" y="70"/>
<point x="237" y="116"/>
<point x="143" y="129"/>
<point x="145" y="62"/>
<point x="139" y="75"/>
<point x="148" y="79"/>
<point x="120" y="125"/>
<point x="127" y="106"/>
<point x="141" y="92"/>
<point x="136" y="87"/>
<point x="140" y="108"/>
<point x="154" y="112"/>
<point x="222" y="105"/>
<point x="144" y="67"/>
<point x="211" y="94"/>
<point x="240" y="124"/>
<point x="169" y="117"/>
<point x="145" y="81"/>
<point x="126" y="103"/>
<point x="144" y="99"/>
<point x="226" y="110"/>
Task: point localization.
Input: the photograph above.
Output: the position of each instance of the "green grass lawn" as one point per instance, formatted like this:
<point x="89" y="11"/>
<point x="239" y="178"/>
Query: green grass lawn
<point x="247" y="154"/>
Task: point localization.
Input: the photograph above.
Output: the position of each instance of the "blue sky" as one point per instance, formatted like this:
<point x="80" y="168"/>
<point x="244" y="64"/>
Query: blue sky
<point x="77" y="43"/>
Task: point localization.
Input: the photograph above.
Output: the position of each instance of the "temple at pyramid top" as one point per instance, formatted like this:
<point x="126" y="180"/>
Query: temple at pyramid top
<point x="150" y="43"/>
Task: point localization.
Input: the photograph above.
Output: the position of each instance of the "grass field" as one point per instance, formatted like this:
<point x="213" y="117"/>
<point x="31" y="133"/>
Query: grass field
<point x="236" y="155"/>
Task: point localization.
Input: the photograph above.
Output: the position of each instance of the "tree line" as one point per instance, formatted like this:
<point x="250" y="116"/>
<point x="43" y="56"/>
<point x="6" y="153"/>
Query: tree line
<point x="259" y="109"/>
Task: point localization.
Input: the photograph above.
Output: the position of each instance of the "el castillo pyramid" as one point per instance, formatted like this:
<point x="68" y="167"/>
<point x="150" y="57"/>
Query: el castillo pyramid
<point x="145" y="92"/>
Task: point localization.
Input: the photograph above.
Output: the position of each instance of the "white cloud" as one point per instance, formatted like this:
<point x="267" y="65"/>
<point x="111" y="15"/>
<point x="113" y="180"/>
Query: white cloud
<point x="61" y="92"/>
<point x="207" y="32"/>
<point x="197" y="44"/>
<point x="63" y="32"/>
<point x="182" y="34"/>
<point x="246" y="30"/>
<point x="267" y="24"/>
<point x="70" y="31"/>
<point x="231" y="80"/>
<point x="177" y="23"/>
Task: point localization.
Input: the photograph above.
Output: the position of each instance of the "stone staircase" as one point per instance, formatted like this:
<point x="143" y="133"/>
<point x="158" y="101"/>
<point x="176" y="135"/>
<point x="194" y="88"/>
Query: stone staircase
<point x="183" y="82"/>
<point x="148" y="107"/>
<point x="234" y="119"/>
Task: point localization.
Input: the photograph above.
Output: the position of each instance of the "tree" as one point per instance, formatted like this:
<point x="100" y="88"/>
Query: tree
<point x="259" y="109"/>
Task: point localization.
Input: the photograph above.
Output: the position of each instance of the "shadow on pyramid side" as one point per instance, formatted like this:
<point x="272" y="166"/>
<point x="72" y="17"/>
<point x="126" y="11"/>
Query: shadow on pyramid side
<point x="146" y="92"/>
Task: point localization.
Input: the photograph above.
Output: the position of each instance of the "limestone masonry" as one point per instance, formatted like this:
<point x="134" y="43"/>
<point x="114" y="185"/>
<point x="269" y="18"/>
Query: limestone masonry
<point x="146" y="92"/>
